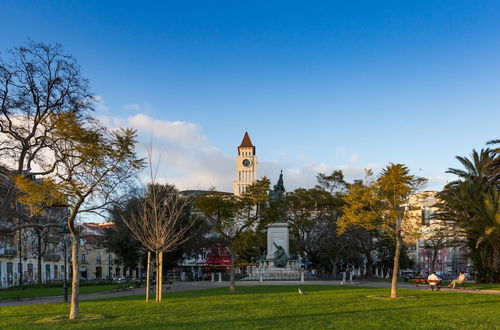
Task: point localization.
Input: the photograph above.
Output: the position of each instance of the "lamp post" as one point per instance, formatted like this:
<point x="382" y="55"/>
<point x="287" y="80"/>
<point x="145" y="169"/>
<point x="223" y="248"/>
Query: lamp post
<point x="20" y="268"/>
<point x="65" y="230"/>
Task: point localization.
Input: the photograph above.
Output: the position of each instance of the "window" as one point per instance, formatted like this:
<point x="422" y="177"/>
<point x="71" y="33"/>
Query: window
<point x="84" y="258"/>
<point x="10" y="273"/>
<point x="426" y="215"/>
<point x="98" y="272"/>
<point x="47" y="272"/>
<point x="98" y="258"/>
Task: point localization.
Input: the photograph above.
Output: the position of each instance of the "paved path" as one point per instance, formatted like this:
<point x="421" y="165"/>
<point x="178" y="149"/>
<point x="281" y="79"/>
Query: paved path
<point x="177" y="286"/>
<point x="188" y="286"/>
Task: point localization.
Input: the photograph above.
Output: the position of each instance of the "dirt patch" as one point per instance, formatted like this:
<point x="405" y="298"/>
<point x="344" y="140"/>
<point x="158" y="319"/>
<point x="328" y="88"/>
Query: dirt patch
<point x="59" y="318"/>
<point x="389" y="298"/>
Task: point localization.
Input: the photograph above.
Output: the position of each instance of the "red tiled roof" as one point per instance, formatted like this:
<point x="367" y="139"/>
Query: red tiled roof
<point x="246" y="143"/>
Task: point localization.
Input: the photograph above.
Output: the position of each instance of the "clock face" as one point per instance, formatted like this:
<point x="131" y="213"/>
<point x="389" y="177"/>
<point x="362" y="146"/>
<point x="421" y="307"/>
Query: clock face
<point x="246" y="162"/>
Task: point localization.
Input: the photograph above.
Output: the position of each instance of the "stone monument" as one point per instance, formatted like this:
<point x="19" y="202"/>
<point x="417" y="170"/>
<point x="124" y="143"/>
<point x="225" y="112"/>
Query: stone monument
<point x="276" y="264"/>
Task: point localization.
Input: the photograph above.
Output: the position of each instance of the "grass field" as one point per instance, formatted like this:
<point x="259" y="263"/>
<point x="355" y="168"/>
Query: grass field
<point x="18" y="293"/>
<point x="277" y="307"/>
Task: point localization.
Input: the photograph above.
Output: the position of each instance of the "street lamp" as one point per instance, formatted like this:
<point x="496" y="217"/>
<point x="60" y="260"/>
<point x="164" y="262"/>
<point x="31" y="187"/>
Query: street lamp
<point x="20" y="268"/>
<point x="65" y="230"/>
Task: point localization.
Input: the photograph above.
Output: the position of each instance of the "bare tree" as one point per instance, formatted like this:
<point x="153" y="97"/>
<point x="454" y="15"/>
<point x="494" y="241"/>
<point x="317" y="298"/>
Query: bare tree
<point x="440" y="235"/>
<point x="156" y="224"/>
<point x="40" y="234"/>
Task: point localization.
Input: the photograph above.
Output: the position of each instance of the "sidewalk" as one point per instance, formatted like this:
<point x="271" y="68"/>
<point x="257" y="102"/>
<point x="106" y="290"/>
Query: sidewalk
<point x="188" y="286"/>
<point x="177" y="286"/>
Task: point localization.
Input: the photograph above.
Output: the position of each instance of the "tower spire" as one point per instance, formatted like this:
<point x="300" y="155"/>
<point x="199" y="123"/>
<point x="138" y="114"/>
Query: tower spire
<point x="246" y="166"/>
<point x="246" y="143"/>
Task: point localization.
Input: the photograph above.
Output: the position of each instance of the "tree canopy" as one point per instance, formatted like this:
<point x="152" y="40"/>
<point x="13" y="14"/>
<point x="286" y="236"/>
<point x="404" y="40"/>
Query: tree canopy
<point x="472" y="202"/>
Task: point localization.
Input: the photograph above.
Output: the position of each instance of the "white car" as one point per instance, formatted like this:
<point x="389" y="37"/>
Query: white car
<point x="119" y="279"/>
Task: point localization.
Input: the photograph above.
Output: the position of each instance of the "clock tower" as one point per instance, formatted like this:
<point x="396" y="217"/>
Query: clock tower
<point x="246" y="166"/>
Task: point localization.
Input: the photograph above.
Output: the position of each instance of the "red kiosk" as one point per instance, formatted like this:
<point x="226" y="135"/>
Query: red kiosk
<point x="218" y="261"/>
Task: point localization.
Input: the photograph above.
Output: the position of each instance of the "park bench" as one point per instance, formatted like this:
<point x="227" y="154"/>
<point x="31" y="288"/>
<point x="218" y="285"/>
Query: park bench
<point x="423" y="282"/>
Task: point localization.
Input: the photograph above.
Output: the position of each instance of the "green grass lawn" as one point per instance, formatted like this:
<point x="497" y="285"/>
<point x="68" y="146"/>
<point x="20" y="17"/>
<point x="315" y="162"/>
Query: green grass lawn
<point x="278" y="307"/>
<point x="18" y="293"/>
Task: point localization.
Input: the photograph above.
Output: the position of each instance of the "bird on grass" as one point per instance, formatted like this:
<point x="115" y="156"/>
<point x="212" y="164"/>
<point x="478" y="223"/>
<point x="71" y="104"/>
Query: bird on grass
<point x="300" y="291"/>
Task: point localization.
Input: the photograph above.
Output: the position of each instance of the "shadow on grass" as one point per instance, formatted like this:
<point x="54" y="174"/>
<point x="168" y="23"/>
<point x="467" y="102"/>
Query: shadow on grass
<point x="356" y="292"/>
<point x="294" y="320"/>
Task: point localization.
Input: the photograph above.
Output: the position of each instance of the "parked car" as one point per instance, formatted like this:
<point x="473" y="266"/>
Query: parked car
<point x="119" y="279"/>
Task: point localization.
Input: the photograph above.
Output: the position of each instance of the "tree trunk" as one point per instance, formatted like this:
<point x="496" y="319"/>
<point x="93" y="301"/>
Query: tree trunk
<point x="395" y="269"/>
<point x="160" y="291"/>
<point x="434" y="258"/>
<point x="39" y="259"/>
<point x="369" y="265"/>
<point x="232" y="277"/>
<point x="157" y="295"/>
<point x="73" y="311"/>
<point x="496" y="263"/>
<point x="147" y="277"/>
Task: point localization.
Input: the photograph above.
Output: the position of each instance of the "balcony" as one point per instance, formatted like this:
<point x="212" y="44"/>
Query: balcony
<point x="8" y="253"/>
<point x="51" y="256"/>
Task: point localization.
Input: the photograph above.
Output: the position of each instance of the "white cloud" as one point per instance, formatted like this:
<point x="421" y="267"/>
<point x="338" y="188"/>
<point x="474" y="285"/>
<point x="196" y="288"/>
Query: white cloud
<point x="354" y="157"/>
<point x="304" y="175"/>
<point x="188" y="160"/>
<point x="438" y="182"/>
<point x="99" y="103"/>
<point x="132" y="107"/>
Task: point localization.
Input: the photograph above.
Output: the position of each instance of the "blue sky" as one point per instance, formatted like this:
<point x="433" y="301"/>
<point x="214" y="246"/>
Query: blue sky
<point x="318" y="85"/>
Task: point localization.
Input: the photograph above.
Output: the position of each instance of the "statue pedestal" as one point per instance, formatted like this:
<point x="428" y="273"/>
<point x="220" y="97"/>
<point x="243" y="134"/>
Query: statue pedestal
<point x="277" y="239"/>
<point x="277" y="234"/>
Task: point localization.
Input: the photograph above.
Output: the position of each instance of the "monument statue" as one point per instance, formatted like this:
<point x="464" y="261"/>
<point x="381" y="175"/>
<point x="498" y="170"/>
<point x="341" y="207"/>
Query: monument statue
<point x="280" y="257"/>
<point x="277" y="265"/>
<point x="278" y="188"/>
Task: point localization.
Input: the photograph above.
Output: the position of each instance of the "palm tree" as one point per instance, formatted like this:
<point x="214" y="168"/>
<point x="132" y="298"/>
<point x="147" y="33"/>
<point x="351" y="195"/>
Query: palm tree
<point x="473" y="203"/>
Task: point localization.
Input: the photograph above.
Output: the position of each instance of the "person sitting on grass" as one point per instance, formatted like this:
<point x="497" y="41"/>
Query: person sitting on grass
<point x="459" y="280"/>
<point x="434" y="281"/>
